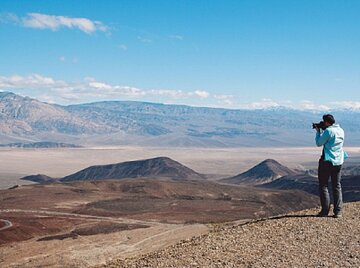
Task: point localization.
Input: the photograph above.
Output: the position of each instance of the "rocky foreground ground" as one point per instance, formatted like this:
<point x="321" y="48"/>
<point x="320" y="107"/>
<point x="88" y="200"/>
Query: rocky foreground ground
<point x="296" y="240"/>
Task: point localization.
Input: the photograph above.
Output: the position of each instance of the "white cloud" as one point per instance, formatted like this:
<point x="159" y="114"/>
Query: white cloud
<point x="175" y="94"/>
<point x="52" y="22"/>
<point x="178" y="37"/>
<point x="201" y="93"/>
<point x="351" y="105"/>
<point x="225" y="100"/>
<point x="178" y="94"/>
<point x="62" y="59"/>
<point x="30" y="81"/>
<point x="48" y="89"/>
<point x="309" y="105"/>
<point x="99" y="85"/>
<point x="89" y="88"/>
<point x="300" y="105"/>
<point x="129" y="91"/>
<point x="262" y="104"/>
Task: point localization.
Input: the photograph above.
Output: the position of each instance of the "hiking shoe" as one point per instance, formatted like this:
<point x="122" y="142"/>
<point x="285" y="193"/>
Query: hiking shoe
<point x="338" y="215"/>
<point x="321" y="214"/>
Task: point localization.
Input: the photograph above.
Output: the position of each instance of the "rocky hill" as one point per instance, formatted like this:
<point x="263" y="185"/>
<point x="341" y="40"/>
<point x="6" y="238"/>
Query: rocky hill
<point x="350" y="185"/>
<point x="26" y="120"/>
<point x="264" y="172"/>
<point x="272" y="175"/>
<point x="40" y="178"/>
<point x="159" y="167"/>
<point x="296" y="240"/>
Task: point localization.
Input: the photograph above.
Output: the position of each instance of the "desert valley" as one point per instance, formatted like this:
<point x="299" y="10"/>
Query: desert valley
<point x="91" y="184"/>
<point x="85" y="208"/>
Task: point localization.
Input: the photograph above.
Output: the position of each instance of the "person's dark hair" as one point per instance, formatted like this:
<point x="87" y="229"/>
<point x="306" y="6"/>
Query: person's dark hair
<point x="329" y="118"/>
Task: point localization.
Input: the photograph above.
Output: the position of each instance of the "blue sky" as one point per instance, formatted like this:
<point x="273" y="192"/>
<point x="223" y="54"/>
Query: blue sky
<point x="236" y="54"/>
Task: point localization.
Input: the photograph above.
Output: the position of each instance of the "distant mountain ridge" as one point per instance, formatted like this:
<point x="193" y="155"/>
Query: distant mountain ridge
<point x="20" y="115"/>
<point x="40" y="145"/>
<point x="159" y="167"/>
<point x="266" y="171"/>
<point x="26" y="120"/>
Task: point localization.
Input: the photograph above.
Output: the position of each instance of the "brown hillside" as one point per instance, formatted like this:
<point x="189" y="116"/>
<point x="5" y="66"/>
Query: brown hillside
<point x="159" y="167"/>
<point x="295" y="240"/>
<point x="266" y="171"/>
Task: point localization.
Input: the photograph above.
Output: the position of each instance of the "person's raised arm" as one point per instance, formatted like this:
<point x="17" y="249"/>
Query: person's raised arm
<point x="321" y="139"/>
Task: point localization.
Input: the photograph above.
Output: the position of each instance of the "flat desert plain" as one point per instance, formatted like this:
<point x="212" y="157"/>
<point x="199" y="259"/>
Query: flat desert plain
<point x="217" y="163"/>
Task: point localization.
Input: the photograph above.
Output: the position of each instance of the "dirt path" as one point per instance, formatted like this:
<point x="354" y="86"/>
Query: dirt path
<point x="7" y="223"/>
<point x="91" y="250"/>
<point x="76" y="215"/>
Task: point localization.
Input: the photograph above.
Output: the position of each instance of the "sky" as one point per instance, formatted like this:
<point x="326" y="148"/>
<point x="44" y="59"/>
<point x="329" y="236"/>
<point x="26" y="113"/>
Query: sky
<point x="233" y="54"/>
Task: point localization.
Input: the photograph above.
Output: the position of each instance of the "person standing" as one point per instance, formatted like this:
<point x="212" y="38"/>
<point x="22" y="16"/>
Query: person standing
<point x="331" y="137"/>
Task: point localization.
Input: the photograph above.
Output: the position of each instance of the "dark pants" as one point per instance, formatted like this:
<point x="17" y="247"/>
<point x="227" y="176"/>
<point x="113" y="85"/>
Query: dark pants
<point x="327" y="170"/>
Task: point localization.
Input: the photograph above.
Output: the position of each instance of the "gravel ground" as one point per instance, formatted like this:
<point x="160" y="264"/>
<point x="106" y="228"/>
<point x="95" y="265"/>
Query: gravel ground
<point x="294" y="240"/>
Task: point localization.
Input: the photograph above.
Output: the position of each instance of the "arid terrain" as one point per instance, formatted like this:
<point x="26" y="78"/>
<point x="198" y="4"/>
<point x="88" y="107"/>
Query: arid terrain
<point x="179" y="134"/>
<point x="218" y="163"/>
<point x="86" y="223"/>
<point x="296" y="240"/>
<point x="102" y="220"/>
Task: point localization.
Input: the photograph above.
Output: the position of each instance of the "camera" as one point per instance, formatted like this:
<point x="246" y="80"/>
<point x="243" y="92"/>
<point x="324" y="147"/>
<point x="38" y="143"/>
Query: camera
<point x="320" y="125"/>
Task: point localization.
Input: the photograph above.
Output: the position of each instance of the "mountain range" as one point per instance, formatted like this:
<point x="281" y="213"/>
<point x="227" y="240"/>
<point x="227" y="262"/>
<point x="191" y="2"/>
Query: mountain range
<point x="44" y="144"/>
<point x="27" y="120"/>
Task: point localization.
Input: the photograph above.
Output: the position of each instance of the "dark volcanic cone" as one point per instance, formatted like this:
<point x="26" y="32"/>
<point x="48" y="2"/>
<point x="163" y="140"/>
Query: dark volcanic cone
<point x="41" y="178"/>
<point x="160" y="167"/>
<point x="264" y="172"/>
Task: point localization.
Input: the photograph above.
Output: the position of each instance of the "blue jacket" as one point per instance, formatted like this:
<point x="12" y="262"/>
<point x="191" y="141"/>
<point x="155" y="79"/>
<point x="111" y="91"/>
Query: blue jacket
<point x="333" y="139"/>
